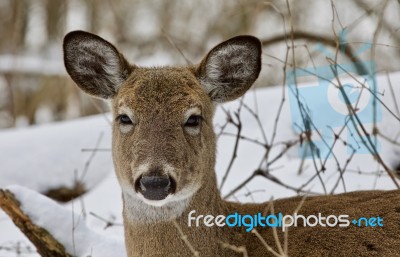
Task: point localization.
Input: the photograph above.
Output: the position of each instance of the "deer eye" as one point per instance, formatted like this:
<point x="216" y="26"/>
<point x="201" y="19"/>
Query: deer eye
<point x="124" y="119"/>
<point x="193" y="121"/>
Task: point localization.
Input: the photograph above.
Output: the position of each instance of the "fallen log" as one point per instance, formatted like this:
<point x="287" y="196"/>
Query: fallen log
<point x="46" y="245"/>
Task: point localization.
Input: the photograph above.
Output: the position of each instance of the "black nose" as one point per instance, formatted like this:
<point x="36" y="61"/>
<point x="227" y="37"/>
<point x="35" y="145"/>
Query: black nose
<point x="155" y="187"/>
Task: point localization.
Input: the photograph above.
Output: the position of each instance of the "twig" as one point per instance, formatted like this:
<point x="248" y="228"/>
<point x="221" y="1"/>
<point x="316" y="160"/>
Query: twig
<point x="237" y="249"/>
<point x="185" y="239"/>
<point x="89" y="160"/>
<point x="298" y="35"/>
<point x="109" y="223"/>
<point x="269" y="248"/>
<point x="238" y="125"/>
<point x="188" y="62"/>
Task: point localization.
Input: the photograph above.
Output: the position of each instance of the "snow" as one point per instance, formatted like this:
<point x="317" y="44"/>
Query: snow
<point x="58" y="220"/>
<point x="36" y="157"/>
<point x="268" y="101"/>
<point x="48" y="155"/>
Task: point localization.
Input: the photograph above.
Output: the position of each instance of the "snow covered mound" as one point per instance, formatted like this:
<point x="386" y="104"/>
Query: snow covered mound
<point x="72" y="233"/>
<point x="50" y="156"/>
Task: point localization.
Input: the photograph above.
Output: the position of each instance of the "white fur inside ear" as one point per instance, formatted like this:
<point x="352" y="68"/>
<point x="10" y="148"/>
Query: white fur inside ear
<point x="232" y="60"/>
<point x="104" y="56"/>
<point x="230" y="69"/>
<point x="223" y="57"/>
<point x="94" y="64"/>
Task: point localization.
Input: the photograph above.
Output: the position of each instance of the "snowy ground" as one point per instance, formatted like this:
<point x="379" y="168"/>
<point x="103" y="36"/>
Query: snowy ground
<point x="47" y="156"/>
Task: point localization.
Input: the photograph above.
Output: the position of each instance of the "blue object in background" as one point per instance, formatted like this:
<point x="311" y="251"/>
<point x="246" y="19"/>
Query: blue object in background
<point x="322" y="107"/>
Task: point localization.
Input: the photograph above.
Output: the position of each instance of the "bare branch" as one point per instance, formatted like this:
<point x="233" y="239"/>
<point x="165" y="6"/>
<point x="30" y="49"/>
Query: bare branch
<point x="326" y="40"/>
<point x="45" y="243"/>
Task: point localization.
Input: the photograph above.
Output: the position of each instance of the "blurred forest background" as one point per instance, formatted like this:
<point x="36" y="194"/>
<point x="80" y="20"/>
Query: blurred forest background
<point x="34" y="87"/>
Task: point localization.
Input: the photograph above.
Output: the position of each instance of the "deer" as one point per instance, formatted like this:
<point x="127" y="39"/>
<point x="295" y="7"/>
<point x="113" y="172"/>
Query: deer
<point x="164" y="153"/>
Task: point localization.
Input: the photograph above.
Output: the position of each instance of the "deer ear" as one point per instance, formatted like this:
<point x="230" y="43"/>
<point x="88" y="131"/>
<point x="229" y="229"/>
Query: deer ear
<point x="94" y="64"/>
<point x="230" y="68"/>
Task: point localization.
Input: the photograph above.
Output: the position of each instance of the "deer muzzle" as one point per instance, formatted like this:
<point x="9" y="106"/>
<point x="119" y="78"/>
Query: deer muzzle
<point x="155" y="187"/>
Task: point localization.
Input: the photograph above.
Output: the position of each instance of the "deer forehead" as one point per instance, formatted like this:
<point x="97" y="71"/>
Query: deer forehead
<point x="156" y="91"/>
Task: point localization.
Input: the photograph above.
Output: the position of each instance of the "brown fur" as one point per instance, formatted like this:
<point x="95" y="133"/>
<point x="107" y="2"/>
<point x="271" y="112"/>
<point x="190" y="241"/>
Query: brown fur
<point x="156" y="100"/>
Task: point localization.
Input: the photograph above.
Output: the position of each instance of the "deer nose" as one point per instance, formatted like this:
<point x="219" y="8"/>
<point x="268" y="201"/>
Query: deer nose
<point x="154" y="187"/>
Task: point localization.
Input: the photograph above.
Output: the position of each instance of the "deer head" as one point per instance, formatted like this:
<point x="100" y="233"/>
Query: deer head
<point x="163" y="138"/>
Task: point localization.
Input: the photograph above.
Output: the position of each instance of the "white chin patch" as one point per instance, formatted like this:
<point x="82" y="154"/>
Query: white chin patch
<point x="157" y="203"/>
<point x="179" y="196"/>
